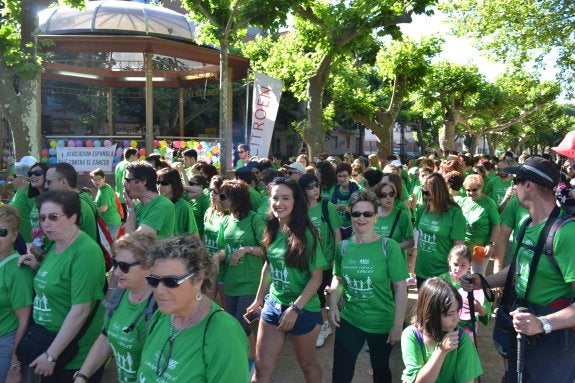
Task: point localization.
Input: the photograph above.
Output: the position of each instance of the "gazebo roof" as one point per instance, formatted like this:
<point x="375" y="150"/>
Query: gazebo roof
<point x="105" y="44"/>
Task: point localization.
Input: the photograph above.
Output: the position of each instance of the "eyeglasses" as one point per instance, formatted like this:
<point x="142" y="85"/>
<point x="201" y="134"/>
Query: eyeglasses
<point x="3" y="232"/>
<point x="163" y="183"/>
<point x="391" y="194"/>
<point x="128" y="180"/>
<point x="37" y="172"/>
<point x="164" y="358"/>
<point x="366" y="214"/>
<point x="169" y="282"/>
<point x="241" y="151"/>
<point x="425" y="193"/>
<point x="518" y="180"/>
<point x="123" y="266"/>
<point x="51" y="217"/>
<point x="191" y="183"/>
<point x="312" y="185"/>
<point x="471" y="190"/>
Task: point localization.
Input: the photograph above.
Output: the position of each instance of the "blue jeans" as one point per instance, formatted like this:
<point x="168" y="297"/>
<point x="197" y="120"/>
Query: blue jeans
<point x="6" y="347"/>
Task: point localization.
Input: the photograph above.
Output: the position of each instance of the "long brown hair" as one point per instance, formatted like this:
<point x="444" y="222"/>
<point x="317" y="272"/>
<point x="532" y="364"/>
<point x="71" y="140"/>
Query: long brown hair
<point x="298" y="250"/>
<point x="439" y="200"/>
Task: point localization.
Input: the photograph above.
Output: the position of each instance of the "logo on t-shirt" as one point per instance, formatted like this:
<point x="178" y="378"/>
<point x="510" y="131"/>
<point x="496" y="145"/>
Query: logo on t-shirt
<point x="280" y="278"/>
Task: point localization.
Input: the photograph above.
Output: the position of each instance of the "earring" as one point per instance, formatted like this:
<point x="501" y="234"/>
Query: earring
<point x="199" y="296"/>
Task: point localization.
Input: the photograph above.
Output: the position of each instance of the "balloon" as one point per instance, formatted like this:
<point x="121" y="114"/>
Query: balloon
<point x="176" y="144"/>
<point x="143" y="152"/>
<point x="107" y="143"/>
<point x="126" y="143"/>
<point x="190" y="144"/>
<point x="214" y="149"/>
<point x="182" y="144"/>
<point x="71" y="143"/>
<point x="97" y="143"/>
<point x="163" y="144"/>
<point x="134" y="144"/>
<point x="45" y="159"/>
<point x="142" y="158"/>
<point x="60" y="144"/>
<point x="44" y="153"/>
<point x="163" y="151"/>
<point x="117" y="159"/>
<point x="53" y="143"/>
<point x="52" y="151"/>
<point x="79" y="143"/>
<point x="157" y="150"/>
<point x="52" y="160"/>
<point x="89" y="144"/>
<point x="119" y="151"/>
<point x="196" y="144"/>
<point x="156" y="143"/>
<point x="209" y="154"/>
<point x="200" y="147"/>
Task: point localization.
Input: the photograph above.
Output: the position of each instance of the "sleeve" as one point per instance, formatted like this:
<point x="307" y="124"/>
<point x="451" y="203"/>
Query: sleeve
<point x="405" y="225"/>
<point x="21" y="287"/>
<point x="396" y="266"/>
<point x="221" y="241"/>
<point x="192" y="224"/>
<point x="337" y="260"/>
<point x="87" y="272"/>
<point x="458" y="226"/>
<point x="412" y="356"/>
<point x="317" y="260"/>
<point x="563" y="246"/>
<point x="493" y="212"/>
<point x="468" y="365"/>
<point x="508" y="214"/>
<point x="489" y="188"/>
<point x="259" y="228"/>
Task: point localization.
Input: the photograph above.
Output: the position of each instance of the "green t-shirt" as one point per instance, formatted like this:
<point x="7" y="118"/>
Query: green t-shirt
<point x="264" y="208"/>
<point x="222" y="357"/>
<point x="159" y="214"/>
<point x="240" y="164"/>
<point x="403" y="229"/>
<point x="72" y="277"/>
<point x="24" y="205"/>
<point x="367" y="273"/>
<point x="437" y="233"/>
<point x="119" y="174"/>
<point x="106" y="197"/>
<point x="496" y="189"/>
<point x="127" y="346"/>
<point x="326" y="193"/>
<point x="480" y="216"/>
<point x="513" y="215"/>
<point x="243" y="278"/>
<point x="255" y="198"/>
<point x="289" y="282"/>
<point x="199" y="206"/>
<point x="547" y="284"/>
<point x="459" y="366"/>
<point x="16" y="292"/>
<point x="185" y="221"/>
<point x="212" y="224"/>
<point x="327" y="239"/>
<point x="88" y="219"/>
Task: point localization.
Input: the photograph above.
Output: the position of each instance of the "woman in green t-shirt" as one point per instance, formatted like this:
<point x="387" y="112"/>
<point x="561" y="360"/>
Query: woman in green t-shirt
<point x="170" y="186"/>
<point x="16" y="294"/>
<point x="365" y="268"/>
<point x="292" y="272"/>
<point x="126" y="324"/>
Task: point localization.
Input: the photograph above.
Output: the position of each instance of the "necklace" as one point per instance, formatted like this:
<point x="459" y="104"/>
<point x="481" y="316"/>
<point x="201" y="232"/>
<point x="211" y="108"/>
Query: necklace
<point x="174" y="333"/>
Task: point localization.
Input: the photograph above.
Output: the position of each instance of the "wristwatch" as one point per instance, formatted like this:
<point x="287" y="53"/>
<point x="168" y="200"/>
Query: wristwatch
<point x="546" y="324"/>
<point x="49" y="357"/>
<point x="296" y="308"/>
<point x="78" y="374"/>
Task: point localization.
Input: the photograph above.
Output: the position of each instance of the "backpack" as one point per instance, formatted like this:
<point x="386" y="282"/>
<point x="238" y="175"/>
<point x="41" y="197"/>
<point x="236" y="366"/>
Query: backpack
<point x="112" y="303"/>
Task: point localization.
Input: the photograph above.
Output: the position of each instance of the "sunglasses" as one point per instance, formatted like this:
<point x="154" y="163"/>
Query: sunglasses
<point x="123" y="266"/>
<point x="37" y="172"/>
<point x="191" y="183"/>
<point x="425" y="193"/>
<point x="471" y="190"/>
<point x="312" y="185"/>
<point x="366" y="214"/>
<point x="169" y="282"/>
<point x="518" y="180"/>
<point x="3" y="232"/>
<point x="241" y="151"/>
<point x="385" y="195"/>
<point x="163" y="183"/>
<point x="128" y="180"/>
<point x="52" y="217"/>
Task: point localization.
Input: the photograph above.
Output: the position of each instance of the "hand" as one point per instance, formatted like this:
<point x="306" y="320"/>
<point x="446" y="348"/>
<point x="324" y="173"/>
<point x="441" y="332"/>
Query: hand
<point x="394" y="335"/>
<point x="526" y="323"/>
<point x="450" y="341"/>
<point x="479" y="309"/>
<point x="333" y="315"/>
<point x="20" y="183"/>
<point x="237" y="255"/>
<point x="128" y="201"/>
<point x="255" y="306"/>
<point x="470" y="282"/>
<point x="43" y="367"/>
<point x="489" y="251"/>
<point x="29" y="260"/>
<point x="287" y="319"/>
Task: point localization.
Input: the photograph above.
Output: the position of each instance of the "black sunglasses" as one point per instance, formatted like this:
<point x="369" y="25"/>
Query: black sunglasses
<point x="312" y="186"/>
<point x="366" y="214"/>
<point x="163" y="183"/>
<point x="123" y="266"/>
<point x="519" y="180"/>
<point x="37" y="172"/>
<point x="169" y="282"/>
<point x="3" y="232"/>
<point x="391" y="194"/>
<point x="128" y="180"/>
<point x="190" y="183"/>
<point x="51" y="217"/>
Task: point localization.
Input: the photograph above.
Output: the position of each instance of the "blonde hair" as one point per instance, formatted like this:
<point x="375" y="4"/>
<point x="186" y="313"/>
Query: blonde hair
<point x="10" y="217"/>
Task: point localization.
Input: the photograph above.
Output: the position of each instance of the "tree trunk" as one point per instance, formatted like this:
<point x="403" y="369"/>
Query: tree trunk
<point x="225" y="125"/>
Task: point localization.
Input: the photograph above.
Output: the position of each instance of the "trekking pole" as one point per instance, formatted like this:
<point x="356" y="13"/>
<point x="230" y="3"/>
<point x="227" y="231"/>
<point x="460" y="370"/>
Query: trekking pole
<point x="471" y="304"/>
<point x="521" y="343"/>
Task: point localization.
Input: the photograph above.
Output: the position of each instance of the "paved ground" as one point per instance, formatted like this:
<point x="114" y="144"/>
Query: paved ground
<point x="288" y="370"/>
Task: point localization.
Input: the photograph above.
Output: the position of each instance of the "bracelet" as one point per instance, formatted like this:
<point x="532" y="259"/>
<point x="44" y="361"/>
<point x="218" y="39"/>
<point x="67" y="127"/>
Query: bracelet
<point x="296" y="308"/>
<point x="78" y="374"/>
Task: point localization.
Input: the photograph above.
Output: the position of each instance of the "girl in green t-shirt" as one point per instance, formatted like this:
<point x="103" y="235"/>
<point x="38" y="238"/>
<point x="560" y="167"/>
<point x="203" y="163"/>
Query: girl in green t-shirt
<point x="432" y="348"/>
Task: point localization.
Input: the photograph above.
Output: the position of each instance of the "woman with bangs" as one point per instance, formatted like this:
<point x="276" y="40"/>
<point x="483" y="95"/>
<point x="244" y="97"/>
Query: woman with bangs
<point x="241" y="253"/>
<point x="441" y="225"/>
<point x="325" y="173"/>
<point x="170" y="186"/>
<point x="292" y="273"/>
<point x="392" y="222"/>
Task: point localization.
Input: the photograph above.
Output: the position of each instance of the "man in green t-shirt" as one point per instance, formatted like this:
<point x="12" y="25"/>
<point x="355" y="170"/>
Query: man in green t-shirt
<point x="548" y="290"/>
<point x="130" y="155"/>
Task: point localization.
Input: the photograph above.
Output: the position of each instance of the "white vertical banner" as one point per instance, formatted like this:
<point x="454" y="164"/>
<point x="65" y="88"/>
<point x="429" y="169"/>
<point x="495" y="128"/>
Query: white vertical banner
<point x="266" y="101"/>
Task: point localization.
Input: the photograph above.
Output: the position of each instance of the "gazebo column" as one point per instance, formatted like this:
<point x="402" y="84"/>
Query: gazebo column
<point x="110" y="99"/>
<point x="149" y="69"/>
<point x="182" y="112"/>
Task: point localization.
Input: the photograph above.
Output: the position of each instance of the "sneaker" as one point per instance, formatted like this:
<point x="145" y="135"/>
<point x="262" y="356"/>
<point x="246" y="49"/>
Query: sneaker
<point x="323" y="333"/>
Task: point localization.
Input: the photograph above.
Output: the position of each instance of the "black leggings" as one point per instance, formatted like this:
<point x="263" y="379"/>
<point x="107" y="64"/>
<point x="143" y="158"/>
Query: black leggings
<point x="348" y="344"/>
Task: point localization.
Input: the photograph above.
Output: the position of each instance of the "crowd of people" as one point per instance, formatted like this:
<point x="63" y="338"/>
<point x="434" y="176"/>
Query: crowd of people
<point x="207" y="277"/>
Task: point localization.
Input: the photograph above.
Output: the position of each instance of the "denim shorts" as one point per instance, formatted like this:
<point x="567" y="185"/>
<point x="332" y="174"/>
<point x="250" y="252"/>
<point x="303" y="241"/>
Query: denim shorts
<point x="305" y="322"/>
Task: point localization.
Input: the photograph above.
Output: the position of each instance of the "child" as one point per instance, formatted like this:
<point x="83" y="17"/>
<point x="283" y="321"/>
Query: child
<point x="459" y="260"/>
<point x="433" y="349"/>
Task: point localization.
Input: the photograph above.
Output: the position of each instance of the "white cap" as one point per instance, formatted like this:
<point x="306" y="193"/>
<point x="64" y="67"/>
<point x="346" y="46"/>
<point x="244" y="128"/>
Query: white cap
<point x="396" y="163"/>
<point x="26" y="162"/>
<point x="297" y="166"/>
